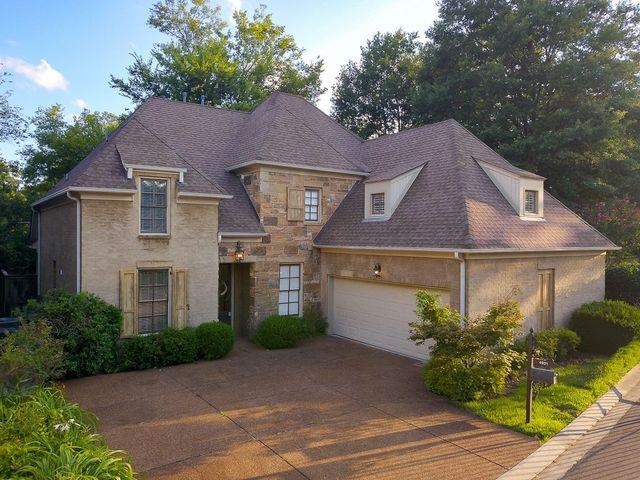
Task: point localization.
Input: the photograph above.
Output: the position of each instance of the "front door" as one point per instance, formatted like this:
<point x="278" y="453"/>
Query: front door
<point x="545" y="299"/>
<point x="225" y="293"/>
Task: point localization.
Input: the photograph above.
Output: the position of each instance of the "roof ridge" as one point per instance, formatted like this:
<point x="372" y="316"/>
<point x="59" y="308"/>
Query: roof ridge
<point x="323" y="139"/>
<point x="407" y="130"/>
<point x="456" y="152"/>
<point x="218" y="108"/>
<point x="206" y="177"/>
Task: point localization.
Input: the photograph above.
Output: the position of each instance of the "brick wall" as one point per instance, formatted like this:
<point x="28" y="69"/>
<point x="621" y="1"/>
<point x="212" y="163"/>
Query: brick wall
<point x="578" y="279"/>
<point x="110" y="243"/>
<point x="58" y="244"/>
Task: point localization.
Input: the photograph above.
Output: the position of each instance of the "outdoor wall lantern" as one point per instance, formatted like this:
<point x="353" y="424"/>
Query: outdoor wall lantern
<point x="239" y="253"/>
<point x="377" y="270"/>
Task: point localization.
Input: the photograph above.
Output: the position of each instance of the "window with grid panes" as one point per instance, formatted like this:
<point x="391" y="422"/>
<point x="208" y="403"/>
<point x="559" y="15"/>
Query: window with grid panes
<point x="530" y="201"/>
<point x="377" y="204"/>
<point x="153" y="206"/>
<point x="312" y="204"/>
<point x="289" y="295"/>
<point x="153" y="300"/>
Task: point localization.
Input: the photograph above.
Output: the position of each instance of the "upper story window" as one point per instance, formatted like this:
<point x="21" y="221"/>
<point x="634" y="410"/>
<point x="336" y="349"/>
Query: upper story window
<point x="531" y="201"/>
<point x="377" y="204"/>
<point x="311" y="204"/>
<point x="153" y="206"/>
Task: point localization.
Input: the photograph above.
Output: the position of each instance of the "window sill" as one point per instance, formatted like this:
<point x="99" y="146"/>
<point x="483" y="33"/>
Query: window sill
<point x="154" y="235"/>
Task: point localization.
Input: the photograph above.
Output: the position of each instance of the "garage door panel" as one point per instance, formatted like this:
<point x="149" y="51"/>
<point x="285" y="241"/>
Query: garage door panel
<point x="377" y="314"/>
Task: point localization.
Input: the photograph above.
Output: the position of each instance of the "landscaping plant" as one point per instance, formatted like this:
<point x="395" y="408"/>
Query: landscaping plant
<point x="29" y="355"/>
<point x="88" y="326"/>
<point x="313" y="323"/>
<point x="279" y="331"/>
<point x="470" y="358"/>
<point x="42" y="436"/>
<point x="177" y="346"/>
<point x="622" y="282"/>
<point x="605" y="326"/>
<point x="139" y="353"/>
<point x="214" y="340"/>
<point x="556" y="343"/>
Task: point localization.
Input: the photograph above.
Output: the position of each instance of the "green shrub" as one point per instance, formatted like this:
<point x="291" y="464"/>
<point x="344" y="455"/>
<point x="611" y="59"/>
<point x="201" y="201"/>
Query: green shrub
<point x="214" y="340"/>
<point x="313" y="323"/>
<point x="279" y="332"/>
<point x="42" y="436"/>
<point x="470" y="359"/>
<point x="139" y="353"/>
<point x="30" y="355"/>
<point x="177" y="346"/>
<point x="88" y="326"/>
<point x="622" y="282"/>
<point x="556" y="343"/>
<point x="604" y="327"/>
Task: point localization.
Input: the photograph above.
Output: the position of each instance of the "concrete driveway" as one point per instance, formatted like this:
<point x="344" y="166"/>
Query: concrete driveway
<point x="330" y="409"/>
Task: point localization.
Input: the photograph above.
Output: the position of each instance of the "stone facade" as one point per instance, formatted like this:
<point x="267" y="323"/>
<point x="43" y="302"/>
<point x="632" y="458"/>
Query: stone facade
<point x="57" y="255"/>
<point x="287" y="242"/>
<point x="111" y="243"/>
<point x="579" y="278"/>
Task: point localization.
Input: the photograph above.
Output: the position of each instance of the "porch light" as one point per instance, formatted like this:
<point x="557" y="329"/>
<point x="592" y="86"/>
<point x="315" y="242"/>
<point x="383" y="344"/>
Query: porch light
<point x="239" y="253"/>
<point x="377" y="270"/>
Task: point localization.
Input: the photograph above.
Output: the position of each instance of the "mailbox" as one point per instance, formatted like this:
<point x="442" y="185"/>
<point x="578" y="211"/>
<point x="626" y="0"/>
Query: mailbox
<point x="544" y="376"/>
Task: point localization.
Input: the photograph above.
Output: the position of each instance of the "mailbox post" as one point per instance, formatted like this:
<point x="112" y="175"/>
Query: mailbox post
<point x="539" y="375"/>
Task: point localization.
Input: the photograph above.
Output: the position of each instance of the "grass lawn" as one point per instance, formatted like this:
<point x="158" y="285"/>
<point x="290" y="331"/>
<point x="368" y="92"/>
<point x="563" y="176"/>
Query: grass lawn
<point x="579" y="385"/>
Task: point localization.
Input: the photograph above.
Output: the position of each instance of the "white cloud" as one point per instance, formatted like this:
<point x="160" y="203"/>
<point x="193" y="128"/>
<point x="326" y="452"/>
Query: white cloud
<point x="81" y="103"/>
<point x="41" y="75"/>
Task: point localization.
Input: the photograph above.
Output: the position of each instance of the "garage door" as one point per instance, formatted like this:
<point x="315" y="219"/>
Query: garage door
<point x="377" y="314"/>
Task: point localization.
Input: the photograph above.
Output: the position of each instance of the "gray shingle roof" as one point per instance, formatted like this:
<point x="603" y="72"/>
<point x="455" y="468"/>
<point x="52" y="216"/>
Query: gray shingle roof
<point x="452" y="203"/>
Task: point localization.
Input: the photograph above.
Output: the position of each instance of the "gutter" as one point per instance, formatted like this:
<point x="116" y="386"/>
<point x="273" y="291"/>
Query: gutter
<point x="38" y="254"/>
<point x="471" y="250"/>
<point x="463" y="282"/>
<point x="78" y="245"/>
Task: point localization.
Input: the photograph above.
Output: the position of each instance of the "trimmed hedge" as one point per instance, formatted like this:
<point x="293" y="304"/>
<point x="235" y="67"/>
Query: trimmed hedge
<point x="88" y="326"/>
<point x="278" y="331"/>
<point x="605" y="326"/>
<point x="209" y="341"/>
<point x="214" y="340"/>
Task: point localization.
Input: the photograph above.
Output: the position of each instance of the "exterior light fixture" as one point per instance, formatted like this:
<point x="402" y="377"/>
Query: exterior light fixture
<point x="377" y="270"/>
<point x="239" y="253"/>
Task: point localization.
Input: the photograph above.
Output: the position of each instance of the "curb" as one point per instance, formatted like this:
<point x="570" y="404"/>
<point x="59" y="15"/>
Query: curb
<point x="544" y="456"/>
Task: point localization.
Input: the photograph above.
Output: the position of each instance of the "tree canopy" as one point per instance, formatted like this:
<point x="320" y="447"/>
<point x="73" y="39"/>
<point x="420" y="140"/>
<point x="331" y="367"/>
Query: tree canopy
<point x="235" y="67"/>
<point x="373" y="96"/>
<point x="59" y="145"/>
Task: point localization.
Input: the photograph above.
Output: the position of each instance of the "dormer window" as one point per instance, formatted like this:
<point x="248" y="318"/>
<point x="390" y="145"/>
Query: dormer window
<point x="377" y="204"/>
<point x="531" y="202"/>
<point x="153" y="206"/>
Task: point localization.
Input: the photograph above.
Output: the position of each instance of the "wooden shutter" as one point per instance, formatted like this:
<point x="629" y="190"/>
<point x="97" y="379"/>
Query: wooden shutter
<point x="180" y="314"/>
<point x="295" y="204"/>
<point x="129" y="302"/>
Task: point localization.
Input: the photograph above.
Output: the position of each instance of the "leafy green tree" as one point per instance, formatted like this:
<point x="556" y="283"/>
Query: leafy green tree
<point x="60" y="145"/>
<point x="12" y="125"/>
<point x="237" y="67"/>
<point x="373" y="96"/>
<point x="552" y="85"/>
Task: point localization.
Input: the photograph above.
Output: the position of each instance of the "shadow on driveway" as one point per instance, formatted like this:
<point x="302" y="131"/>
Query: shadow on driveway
<point x="330" y="409"/>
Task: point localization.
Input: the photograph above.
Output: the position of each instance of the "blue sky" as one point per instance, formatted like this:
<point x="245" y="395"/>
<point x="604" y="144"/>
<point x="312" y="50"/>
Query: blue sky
<point x="64" y="51"/>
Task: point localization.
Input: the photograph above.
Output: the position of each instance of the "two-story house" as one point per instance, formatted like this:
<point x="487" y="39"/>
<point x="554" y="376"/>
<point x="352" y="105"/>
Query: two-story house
<point x="189" y="213"/>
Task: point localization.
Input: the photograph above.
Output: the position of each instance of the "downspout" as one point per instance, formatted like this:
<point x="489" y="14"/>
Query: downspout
<point x="463" y="282"/>
<point x="78" y="246"/>
<point x="38" y="253"/>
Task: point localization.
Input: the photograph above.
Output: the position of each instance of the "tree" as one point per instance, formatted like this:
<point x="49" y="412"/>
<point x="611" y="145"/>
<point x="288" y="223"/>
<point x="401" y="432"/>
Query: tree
<point x="373" y="96"/>
<point x="237" y="68"/>
<point x="60" y="145"/>
<point x="12" y="125"/>
<point x="551" y="85"/>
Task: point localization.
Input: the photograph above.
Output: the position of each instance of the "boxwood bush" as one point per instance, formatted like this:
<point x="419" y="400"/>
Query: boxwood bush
<point x="214" y="340"/>
<point x="43" y="436"/>
<point x="139" y="353"/>
<point x="279" y="331"/>
<point x="88" y="326"/>
<point x="557" y="343"/>
<point x="177" y="346"/>
<point x="605" y="326"/>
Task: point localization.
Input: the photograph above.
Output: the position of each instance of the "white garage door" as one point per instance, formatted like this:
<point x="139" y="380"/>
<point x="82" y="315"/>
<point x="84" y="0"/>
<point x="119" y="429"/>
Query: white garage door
<point x="377" y="314"/>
